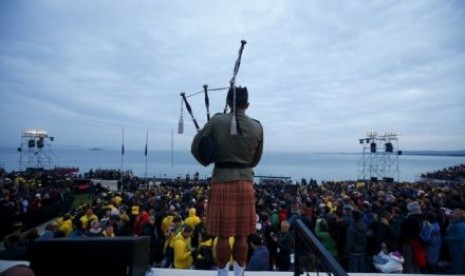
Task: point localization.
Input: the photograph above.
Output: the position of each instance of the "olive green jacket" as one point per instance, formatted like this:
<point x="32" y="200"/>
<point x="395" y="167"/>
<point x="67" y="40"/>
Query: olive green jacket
<point x="245" y="149"/>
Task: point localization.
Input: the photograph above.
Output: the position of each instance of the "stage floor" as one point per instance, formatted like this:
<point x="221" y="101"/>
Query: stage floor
<point x="186" y="272"/>
<point x="189" y="272"/>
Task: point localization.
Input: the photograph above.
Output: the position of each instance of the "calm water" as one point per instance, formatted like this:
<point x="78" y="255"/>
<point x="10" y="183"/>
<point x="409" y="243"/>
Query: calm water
<point x="164" y="163"/>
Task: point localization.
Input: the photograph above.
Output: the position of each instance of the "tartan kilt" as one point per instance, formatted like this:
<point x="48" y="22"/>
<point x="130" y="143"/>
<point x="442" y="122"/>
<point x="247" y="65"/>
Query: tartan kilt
<point x="231" y="209"/>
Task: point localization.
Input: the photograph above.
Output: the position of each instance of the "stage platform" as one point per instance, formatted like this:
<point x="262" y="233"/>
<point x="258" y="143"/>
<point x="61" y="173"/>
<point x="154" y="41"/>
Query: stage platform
<point x="190" y="272"/>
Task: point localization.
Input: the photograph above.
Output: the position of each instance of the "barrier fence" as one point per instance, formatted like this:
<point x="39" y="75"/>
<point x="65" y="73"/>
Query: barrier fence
<point x="311" y="255"/>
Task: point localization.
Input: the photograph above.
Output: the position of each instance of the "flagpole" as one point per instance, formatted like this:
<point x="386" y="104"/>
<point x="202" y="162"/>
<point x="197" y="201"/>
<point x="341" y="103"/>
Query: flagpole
<point x="145" y="152"/>
<point x="172" y="148"/>
<point x="122" y="154"/>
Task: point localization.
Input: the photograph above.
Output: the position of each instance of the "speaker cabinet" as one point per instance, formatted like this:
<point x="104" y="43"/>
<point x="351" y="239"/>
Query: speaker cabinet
<point x="373" y="147"/>
<point x="389" y="147"/>
<point x="125" y="256"/>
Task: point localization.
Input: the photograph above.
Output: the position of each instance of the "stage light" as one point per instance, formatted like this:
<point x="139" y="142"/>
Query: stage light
<point x="372" y="134"/>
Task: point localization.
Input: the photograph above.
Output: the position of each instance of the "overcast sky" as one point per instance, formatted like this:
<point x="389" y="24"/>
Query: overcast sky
<point x="320" y="74"/>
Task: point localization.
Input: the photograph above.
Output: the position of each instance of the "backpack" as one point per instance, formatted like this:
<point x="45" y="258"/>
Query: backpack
<point x="426" y="231"/>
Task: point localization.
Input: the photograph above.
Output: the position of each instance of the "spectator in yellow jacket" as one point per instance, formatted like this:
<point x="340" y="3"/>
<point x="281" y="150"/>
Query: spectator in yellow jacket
<point x="192" y="220"/>
<point x="182" y="250"/>
<point x="88" y="216"/>
<point x="66" y="225"/>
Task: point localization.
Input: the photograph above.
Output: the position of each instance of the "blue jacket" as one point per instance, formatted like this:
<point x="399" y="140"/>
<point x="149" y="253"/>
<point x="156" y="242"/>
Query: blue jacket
<point x="260" y="259"/>
<point x="431" y="237"/>
<point x="455" y="237"/>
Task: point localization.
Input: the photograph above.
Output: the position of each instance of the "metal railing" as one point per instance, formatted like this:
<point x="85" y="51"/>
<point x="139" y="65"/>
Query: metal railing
<point x="311" y="255"/>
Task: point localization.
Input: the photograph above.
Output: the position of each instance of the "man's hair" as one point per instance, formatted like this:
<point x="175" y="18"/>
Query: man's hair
<point x="242" y="97"/>
<point x="188" y="229"/>
<point x="177" y="219"/>
<point x="356" y="215"/>
<point x="256" y="239"/>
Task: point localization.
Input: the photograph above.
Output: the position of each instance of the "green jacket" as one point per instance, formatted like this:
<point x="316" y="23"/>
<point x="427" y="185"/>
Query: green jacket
<point x="245" y="149"/>
<point x="326" y="239"/>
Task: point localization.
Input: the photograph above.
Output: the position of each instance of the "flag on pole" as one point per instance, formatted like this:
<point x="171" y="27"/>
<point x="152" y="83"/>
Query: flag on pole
<point x="122" y="144"/>
<point x="146" y="142"/>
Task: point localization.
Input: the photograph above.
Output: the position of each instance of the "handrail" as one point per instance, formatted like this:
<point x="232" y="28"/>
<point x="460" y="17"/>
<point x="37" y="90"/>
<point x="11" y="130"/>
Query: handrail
<point x="309" y="250"/>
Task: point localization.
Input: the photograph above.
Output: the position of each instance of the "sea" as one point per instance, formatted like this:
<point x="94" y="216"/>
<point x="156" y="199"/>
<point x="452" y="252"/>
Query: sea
<point x="172" y="164"/>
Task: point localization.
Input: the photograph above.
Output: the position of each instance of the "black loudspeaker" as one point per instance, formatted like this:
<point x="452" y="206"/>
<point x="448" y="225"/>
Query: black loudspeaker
<point x="389" y="179"/>
<point x="389" y="147"/>
<point x="31" y="143"/>
<point x="40" y="143"/>
<point x="91" y="256"/>
<point x="373" y="147"/>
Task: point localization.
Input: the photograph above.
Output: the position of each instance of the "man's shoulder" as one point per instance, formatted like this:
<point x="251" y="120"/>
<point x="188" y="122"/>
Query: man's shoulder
<point x="219" y="117"/>
<point x="219" y="114"/>
<point x="256" y="124"/>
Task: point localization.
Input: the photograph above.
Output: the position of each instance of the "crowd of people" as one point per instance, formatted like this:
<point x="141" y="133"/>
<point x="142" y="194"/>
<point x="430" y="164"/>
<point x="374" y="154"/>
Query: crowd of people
<point x="28" y="198"/>
<point x="451" y="173"/>
<point x="367" y="226"/>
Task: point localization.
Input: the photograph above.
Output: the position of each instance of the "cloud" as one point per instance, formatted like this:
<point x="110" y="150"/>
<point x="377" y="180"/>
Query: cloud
<point x="321" y="74"/>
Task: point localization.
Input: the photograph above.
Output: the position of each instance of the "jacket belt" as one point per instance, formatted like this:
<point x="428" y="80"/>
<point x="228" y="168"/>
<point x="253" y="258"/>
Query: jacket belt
<point x="232" y="165"/>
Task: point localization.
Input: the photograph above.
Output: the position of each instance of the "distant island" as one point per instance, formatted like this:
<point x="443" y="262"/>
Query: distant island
<point x="96" y="149"/>
<point x="435" y="152"/>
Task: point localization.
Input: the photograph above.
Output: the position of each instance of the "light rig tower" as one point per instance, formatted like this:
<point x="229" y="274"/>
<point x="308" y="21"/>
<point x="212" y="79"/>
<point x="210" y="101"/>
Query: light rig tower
<point x="381" y="163"/>
<point x="35" y="150"/>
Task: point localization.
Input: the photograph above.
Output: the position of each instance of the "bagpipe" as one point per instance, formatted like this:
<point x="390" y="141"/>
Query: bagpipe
<point x="232" y="85"/>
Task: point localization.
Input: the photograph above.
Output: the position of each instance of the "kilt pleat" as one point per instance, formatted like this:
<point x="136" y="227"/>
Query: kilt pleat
<point x="231" y="209"/>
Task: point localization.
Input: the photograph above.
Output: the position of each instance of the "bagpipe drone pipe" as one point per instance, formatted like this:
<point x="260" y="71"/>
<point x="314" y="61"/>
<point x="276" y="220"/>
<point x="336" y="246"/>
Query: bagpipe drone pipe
<point x="208" y="145"/>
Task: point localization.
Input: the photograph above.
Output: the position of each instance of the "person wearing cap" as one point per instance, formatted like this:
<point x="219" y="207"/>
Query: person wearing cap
<point x="237" y="148"/>
<point x="413" y="249"/>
